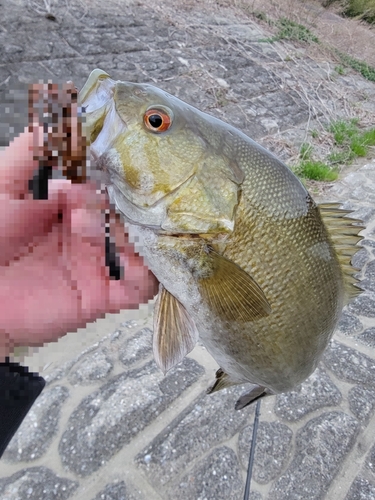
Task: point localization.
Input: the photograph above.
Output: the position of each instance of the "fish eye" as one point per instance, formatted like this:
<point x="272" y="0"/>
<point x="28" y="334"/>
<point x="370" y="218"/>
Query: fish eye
<point x="157" y="120"/>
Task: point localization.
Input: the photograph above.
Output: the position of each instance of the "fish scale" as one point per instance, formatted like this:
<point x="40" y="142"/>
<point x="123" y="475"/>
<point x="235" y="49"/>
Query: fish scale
<point x="245" y="259"/>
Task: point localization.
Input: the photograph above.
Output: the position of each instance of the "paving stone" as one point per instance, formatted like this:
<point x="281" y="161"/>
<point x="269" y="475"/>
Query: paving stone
<point x="367" y="337"/>
<point x="363" y="305"/>
<point x="367" y="243"/>
<point x="272" y="451"/>
<point x="136" y="348"/>
<point x="208" y="422"/>
<point x="316" y="392"/>
<point x="36" y="483"/>
<point x="361" y="489"/>
<point x="367" y="285"/>
<point x="39" y="427"/>
<point x="363" y="213"/>
<point x="360" y="258"/>
<point x="59" y="372"/>
<point x="118" y="491"/>
<point x="113" y="415"/>
<point x="91" y="368"/>
<point x="349" y="324"/>
<point x="370" y="460"/>
<point x="369" y="170"/>
<point x="362" y="402"/>
<point x="349" y="364"/>
<point x="255" y="495"/>
<point x="370" y="271"/>
<point x="321" y="447"/>
<point x="216" y="477"/>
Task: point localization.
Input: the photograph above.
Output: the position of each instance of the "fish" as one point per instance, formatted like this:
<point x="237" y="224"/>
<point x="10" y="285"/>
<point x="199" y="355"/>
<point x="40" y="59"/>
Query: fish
<point x="246" y="260"/>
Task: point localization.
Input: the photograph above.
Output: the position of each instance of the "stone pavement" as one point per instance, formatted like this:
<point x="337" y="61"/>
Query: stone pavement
<point x="109" y="425"/>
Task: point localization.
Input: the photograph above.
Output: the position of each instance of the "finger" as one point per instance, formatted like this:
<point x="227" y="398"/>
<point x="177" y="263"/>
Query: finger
<point x="88" y="266"/>
<point x="17" y="163"/>
<point x="39" y="300"/>
<point x="22" y="223"/>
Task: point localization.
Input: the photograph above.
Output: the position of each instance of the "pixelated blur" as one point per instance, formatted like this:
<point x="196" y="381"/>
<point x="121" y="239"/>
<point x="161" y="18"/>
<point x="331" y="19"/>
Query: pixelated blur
<point x="63" y="143"/>
<point x="65" y="257"/>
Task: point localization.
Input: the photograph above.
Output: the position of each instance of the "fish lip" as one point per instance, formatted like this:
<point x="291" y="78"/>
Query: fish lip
<point x="95" y="76"/>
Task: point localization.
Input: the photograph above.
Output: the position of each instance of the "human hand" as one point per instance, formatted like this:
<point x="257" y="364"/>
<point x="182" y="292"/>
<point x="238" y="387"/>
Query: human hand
<point x="53" y="277"/>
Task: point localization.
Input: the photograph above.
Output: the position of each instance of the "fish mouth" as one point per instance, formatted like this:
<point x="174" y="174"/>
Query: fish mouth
<point x="96" y="101"/>
<point x="91" y="85"/>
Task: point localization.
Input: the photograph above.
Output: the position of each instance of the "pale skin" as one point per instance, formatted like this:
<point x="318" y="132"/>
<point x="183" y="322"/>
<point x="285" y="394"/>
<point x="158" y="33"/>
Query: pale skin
<point x="53" y="277"/>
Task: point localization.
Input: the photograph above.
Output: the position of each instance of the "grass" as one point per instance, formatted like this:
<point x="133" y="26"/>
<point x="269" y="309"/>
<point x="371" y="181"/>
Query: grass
<point x="361" y="9"/>
<point x="364" y="9"/>
<point x="308" y="168"/>
<point x="363" y="68"/>
<point x="340" y="70"/>
<point x="352" y="140"/>
<point x="317" y="171"/>
<point x="349" y="142"/>
<point x="343" y="130"/>
<point x="289" y="30"/>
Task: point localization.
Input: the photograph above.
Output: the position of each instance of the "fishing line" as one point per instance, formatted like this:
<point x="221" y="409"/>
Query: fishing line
<point x="252" y="451"/>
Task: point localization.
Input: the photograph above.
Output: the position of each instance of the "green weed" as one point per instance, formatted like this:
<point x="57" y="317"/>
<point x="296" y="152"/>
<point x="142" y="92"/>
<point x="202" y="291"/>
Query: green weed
<point x="317" y="171"/>
<point x="364" y="9"/>
<point x="361" y="67"/>
<point x="289" y="30"/>
<point x="340" y="70"/>
<point x="350" y="142"/>
<point x="343" y="130"/>
<point x="369" y="137"/>
<point x="340" y="157"/>
<point x="312" y="169"/>
<point x="305" y="151"/>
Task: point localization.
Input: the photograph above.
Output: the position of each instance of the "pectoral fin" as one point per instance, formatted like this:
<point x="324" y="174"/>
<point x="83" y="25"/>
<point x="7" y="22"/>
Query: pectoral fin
<point x="175" y="334"/>
<point x="233" y="294"/>
<point x="246" y="399"/>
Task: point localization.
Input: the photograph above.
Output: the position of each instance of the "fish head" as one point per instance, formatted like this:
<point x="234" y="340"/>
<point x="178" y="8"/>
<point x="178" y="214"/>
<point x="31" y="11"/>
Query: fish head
<point x="163" y="161"/>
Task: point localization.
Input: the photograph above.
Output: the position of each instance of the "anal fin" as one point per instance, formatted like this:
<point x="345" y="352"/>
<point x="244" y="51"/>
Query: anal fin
<point x="250" y="397"/>
<point x="175" y="333"/>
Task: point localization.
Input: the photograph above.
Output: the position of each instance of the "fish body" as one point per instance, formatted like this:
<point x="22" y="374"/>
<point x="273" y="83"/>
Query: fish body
<point x="246" y="260"/>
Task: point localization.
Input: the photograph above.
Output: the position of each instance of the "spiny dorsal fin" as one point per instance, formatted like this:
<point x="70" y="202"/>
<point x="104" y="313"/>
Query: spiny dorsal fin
<point x="175" y="334"/>
<point x="232" y="293"/>
<point x="222" y="381"/>
<point x="344" y="231"/>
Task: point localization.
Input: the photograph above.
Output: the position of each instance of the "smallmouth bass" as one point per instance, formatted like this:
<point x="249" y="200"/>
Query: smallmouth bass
<point x="246" y="260"/>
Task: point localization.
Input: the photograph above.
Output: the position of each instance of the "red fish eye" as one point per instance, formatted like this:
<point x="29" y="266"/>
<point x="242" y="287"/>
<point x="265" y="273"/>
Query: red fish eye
<point x="157" y="120"/>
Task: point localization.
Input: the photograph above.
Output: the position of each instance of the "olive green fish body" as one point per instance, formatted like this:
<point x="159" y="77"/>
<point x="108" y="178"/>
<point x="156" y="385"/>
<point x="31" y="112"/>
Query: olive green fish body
<point x="243" y="256"/>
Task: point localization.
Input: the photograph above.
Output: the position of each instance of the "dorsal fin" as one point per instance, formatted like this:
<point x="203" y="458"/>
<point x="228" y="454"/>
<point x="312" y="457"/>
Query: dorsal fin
<point x="343" y="232"/>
